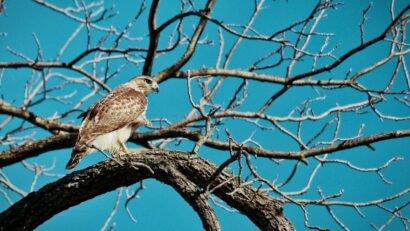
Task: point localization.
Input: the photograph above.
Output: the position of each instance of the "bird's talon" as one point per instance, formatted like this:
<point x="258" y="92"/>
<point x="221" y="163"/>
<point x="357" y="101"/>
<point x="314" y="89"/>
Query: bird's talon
<point x="121" y="156"/>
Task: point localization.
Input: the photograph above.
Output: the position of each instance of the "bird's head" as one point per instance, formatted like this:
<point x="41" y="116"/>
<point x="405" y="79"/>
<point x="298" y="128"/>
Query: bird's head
<point x="144" y="84"/>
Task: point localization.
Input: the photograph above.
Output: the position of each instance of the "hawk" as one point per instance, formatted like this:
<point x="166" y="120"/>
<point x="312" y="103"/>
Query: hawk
<point x="109" y="122"/>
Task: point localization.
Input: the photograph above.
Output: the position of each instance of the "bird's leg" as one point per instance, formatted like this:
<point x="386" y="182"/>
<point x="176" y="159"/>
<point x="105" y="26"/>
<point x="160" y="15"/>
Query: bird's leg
<point x="109" y="157"/>
<point x="124" y="148"/>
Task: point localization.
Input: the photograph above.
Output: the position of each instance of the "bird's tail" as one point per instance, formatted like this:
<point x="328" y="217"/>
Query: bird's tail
<point x="79" y="151"/>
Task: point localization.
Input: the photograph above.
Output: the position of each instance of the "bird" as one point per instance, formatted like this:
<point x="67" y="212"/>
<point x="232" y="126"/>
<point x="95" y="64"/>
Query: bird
<point x="109" y="122"/>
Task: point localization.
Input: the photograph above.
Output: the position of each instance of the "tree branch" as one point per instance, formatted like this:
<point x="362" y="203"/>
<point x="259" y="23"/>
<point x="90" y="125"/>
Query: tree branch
<point x="153" y="38"/>
<point x="354" y="50"/>
<point x="191" y="47"/>
<point x="36" y="148"/>
<point x="42" y="65"/>
<point x="189" y="191"/>
<point x="258" y="77"/>
<point x="79" y="186"/>
<point x="48" y="124"/>
<point x="67" y="140"/>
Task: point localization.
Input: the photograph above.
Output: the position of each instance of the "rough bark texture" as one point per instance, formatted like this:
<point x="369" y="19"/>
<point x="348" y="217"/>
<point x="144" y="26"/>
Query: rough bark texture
<point x="187" y="176"/>
<point x="189" y="191"/>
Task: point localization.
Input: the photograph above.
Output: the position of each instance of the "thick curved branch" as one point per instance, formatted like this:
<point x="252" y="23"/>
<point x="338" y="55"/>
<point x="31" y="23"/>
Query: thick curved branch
<point x="29" y="212"/>
<point x="189" y="191"/>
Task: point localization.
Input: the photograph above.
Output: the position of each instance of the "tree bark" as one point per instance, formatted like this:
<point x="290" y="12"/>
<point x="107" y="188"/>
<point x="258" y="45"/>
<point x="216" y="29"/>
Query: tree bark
<point x="186" y="175"/>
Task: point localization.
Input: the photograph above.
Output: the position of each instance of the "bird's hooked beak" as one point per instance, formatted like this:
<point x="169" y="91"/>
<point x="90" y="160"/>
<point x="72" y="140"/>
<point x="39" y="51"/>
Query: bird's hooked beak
<point x="155" y="87"/>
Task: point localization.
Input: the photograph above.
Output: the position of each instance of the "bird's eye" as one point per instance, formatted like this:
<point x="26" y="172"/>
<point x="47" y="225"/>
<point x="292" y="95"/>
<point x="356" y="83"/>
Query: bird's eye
<point x="148" y="81"/>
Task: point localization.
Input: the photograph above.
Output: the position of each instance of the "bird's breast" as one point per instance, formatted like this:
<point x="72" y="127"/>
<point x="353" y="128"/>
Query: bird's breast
<point x="110" y="141"/>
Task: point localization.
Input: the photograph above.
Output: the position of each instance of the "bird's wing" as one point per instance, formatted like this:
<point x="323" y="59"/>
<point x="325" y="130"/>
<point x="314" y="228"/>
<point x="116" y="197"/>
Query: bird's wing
<point x="119" y="108"/>
<point x="116" y="110"/>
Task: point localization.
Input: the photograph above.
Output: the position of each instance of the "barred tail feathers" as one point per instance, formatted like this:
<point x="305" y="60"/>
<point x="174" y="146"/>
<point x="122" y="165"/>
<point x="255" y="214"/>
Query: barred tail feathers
<point x="80" y="150"/>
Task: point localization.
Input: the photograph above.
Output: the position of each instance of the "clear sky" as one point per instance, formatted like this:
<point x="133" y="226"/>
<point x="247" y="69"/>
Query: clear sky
<point x="159" y="207"/>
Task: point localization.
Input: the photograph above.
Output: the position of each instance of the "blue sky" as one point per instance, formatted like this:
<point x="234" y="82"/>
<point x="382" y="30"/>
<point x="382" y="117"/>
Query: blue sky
<point x="161" y="208"/>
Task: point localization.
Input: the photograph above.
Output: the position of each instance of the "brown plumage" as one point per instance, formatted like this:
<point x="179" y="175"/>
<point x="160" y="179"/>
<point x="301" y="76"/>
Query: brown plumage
<point x="109" y="122"/>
